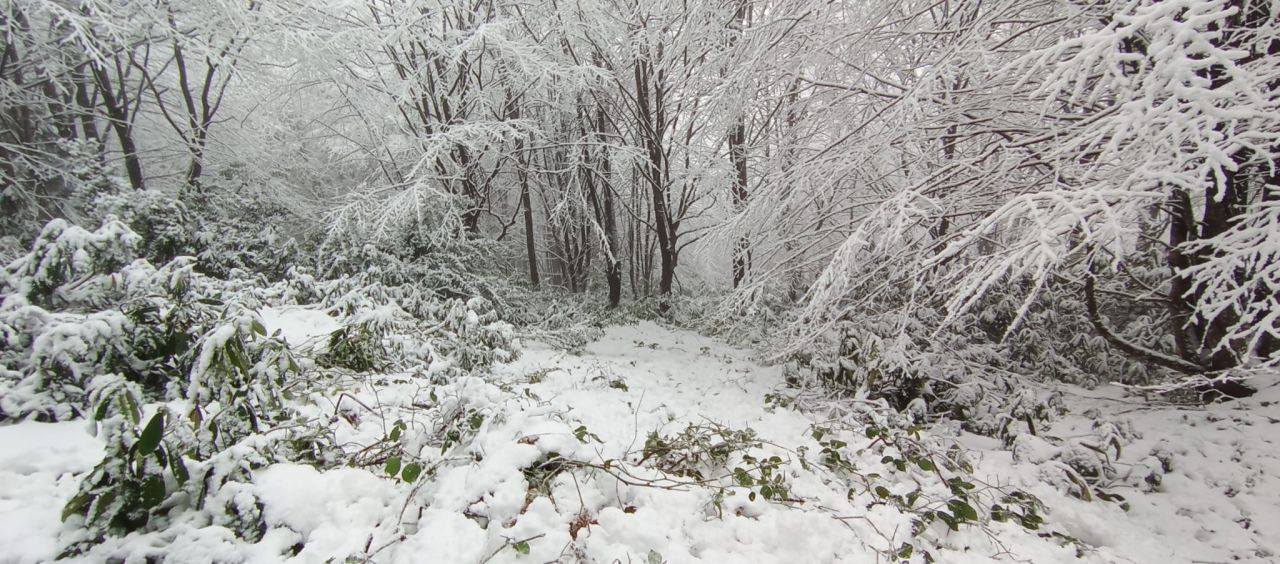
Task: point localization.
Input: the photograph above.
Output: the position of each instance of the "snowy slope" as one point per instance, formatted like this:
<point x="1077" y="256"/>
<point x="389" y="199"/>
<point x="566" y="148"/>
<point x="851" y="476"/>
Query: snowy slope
<point x="548" y="464"/>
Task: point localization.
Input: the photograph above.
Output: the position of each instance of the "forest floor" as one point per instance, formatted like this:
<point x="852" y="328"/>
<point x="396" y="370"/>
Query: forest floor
<point x="551" y="457"/>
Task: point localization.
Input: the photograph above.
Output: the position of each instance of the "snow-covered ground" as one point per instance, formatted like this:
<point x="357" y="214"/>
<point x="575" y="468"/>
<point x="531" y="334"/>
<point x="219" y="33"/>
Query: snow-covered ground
<point x="546" y="460"/>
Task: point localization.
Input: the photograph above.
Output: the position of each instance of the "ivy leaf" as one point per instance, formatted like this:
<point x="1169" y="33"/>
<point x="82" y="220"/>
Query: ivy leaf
<point x="150" y="438"/>
<point x="411" y="472"/>
<point x="393" y="466"/>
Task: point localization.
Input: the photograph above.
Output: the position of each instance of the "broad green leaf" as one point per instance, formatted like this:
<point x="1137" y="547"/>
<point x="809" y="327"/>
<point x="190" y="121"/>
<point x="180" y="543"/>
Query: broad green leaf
<point x="152" y="491"/>
<point x="150" y="438"/>
<point x="76" y="506"/>
<point x="393" y="466"/>
<point x="962" y="510"/>
<point x="411" y="472"/>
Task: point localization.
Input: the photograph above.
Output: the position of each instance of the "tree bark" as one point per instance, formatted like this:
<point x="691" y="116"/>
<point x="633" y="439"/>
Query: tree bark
<point x="738" y="156"/>
<point x="652" y="127"/>
<point x="116" y="105"/>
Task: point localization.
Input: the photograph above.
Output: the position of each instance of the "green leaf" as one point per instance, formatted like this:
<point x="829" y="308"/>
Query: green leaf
<point x="76" y="506"/>
<point x="905" y="551"/>
<point x="179" y="469"/>
<point x="152" y="491"/>
<point x="925" y="464"/>
<point x="411" y="472"/>
<point x="150" y="438"/>
<point x="882" y="492"/>
<point x="257" y="327"/>
<point x="521" y="547"/>
<point x="101" y="412"/>
<point x="393" y="466"/>
<point x="102" y="504"/>
<point x="395" y="433"/>
<point x="912" y="497"/>
<point x="130" y="405"/>
<point x="949" y="520"/>
<point x="962" y="510"/>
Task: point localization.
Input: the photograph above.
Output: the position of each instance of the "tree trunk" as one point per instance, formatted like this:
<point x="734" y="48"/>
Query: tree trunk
<point x="117" y="107"/>
<point x="522" y="172"/>
<point x="652" y="128"/>
<point x="738" y="155"/>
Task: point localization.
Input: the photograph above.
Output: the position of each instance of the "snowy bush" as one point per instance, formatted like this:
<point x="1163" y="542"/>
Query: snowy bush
<point x="416" y="238"/>
<point x="232" y="244"/>
<point x="947" y="375"/>
<point x="89" y="330"/>
<point x="166" y="228"/>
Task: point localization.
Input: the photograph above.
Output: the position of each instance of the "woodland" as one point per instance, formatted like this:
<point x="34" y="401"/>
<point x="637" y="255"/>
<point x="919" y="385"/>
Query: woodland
<point x="639" y="280"/>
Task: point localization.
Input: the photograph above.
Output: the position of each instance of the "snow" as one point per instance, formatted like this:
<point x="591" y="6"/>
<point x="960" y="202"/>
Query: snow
<point x="39" y="467"/>
<point x="1221" y="496"/>
<point x="498" y="488"/>
<point x="299" y="326"/>
<point x="333" y="511"/>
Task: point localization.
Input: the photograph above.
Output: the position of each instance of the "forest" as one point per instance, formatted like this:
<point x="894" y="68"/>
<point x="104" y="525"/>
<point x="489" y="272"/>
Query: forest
<point x="476" y="281"/>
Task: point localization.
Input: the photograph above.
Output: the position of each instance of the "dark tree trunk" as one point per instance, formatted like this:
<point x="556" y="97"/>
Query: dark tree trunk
<point x="116" y="104"/>
<point x="529" y="245"/>
<point x="652" y="121"/>
<point x="526" y="204"/>
<point x="1181" y="306"/>
<point x="738" y="155"/>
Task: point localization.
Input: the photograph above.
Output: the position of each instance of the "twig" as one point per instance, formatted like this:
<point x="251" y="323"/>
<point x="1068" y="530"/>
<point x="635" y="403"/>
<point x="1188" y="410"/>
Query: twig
<point x="507" y="542"/>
